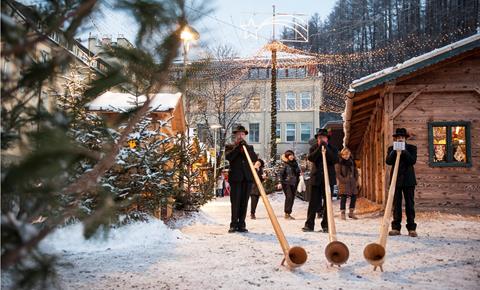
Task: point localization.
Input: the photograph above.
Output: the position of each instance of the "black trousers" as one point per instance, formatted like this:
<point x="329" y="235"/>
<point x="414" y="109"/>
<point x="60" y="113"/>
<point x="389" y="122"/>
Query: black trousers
<point x="318" y="194"/>
<point x="343" y="201"/>
<point x="408" y="193"/>
<point x="240" y="191"/>
<point x="289" y="191"/>
<point x="253" y="203"/>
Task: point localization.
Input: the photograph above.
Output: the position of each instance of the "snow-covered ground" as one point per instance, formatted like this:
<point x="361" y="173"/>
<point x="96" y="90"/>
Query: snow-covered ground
<point x="200" y="254"/>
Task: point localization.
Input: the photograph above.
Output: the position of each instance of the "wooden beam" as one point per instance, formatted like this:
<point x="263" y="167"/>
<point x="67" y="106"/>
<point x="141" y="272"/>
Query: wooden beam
<point x="458" y="87"/>
<point x="477" y="90"/>
<point x="357" y="120"/>
<point x="364" y="104"/>
<point x="405" y="103"/>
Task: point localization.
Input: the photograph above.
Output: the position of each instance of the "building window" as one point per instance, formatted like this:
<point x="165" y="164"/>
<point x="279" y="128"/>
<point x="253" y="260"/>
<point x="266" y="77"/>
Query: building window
<point x="305" y="131"/>
<point x="262" y="73"/>
<point x="282" y="73"/>
<point x="301" y="72"/>
<point x="290" y="130"/>
<point x="291" y="101"/>
<point x="278" y="132"/>
<point x="306" y="100"/>
<point x="279" y="102"/>
<point x="254" y="133"/>
<point x="253" y="73"/>
<point x="449" y="144"/>
<point x="254" y="104"/>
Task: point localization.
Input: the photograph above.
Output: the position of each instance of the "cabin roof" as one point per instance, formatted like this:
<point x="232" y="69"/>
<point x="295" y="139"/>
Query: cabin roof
<point x="122" y="102"/>
<point x="364" y="93"/>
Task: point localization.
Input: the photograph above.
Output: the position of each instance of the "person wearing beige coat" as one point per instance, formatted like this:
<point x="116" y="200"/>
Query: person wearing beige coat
<point x="347" y="177"/>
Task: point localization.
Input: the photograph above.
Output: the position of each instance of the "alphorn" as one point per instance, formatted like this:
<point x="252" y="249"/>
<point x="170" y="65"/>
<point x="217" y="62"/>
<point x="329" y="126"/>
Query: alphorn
<point x="375" y="253"/>
<point x="294" y="256"/>
<point x="336" y="252"/>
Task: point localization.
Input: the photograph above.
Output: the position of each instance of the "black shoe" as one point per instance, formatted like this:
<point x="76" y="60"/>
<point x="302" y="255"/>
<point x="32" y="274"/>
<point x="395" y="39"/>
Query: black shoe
<point x="232" y="230"/>
<point x="325" y="230"/>
<point x="242" y="230"/>
<point x="307" y="229"/>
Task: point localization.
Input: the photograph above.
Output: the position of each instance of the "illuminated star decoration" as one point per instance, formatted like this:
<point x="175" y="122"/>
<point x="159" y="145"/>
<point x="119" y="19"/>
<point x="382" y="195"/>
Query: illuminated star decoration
<point x="250" y="29"/>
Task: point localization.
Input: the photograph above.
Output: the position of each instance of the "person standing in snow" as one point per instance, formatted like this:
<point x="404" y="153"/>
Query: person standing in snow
<point x="240" y="178"/>
<point x="347" y="176"/>
<point x="220" y="182"/>
<point x="406" y="182"/>
<point x="255" y="194"/>
<point x="317" y="178"/>
<point x="289" y="176"/>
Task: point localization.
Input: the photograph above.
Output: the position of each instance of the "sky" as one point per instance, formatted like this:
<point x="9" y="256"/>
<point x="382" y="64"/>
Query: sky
<point x="236" y="23"/>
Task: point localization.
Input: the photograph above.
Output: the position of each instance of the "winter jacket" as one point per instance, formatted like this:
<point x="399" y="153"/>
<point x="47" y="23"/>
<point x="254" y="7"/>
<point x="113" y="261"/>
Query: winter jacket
<point x="406" y="172"/>
<point x="347" y="175"/>
<point x="255" y="190"/>
<point x="239" y="168"/>
<point x="315" y="156"/>
<point x="289" y="172"/>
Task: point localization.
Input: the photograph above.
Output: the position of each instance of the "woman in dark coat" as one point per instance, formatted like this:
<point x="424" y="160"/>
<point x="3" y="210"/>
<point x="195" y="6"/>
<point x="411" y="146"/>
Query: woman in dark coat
<point x="289" y="176"/>
<point x="255" y="193"/>
<point x="347" y="176"/>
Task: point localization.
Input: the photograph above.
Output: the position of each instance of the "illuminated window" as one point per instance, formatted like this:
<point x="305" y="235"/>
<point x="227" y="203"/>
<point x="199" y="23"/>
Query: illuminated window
<point x="449" y="144"/>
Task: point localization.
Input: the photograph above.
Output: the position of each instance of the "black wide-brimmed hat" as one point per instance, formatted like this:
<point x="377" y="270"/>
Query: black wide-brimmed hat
<point x="240" y="128"/>
<point x="322" y="132"/>
<point x="401" y="132"/>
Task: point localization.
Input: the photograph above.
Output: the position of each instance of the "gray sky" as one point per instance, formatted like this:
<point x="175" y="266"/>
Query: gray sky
<point x="225" y="25"/>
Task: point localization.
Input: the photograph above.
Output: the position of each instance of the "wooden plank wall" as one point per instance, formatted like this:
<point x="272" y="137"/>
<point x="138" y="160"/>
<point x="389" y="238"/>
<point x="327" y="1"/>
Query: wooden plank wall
<point x="450" y="92"/>
<point x="450" y="95"/>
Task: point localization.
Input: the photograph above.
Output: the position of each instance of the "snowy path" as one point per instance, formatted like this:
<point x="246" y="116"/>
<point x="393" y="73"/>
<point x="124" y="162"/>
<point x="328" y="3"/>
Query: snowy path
<point x="446" y="255"/>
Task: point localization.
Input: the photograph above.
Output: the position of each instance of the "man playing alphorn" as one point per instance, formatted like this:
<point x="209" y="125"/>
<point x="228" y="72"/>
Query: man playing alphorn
<point x="406" y="182"/>
<point x="240" y="178"/>
<point x="317" y="178"/>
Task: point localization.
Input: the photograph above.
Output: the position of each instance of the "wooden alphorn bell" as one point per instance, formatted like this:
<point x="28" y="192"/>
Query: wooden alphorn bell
<point x="375" y="253"/>
<point x="294" y="256"/>
<point x="336" y="252"/>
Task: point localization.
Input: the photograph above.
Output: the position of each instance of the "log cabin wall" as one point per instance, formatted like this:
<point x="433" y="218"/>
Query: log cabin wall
<point x="448" y="93"/>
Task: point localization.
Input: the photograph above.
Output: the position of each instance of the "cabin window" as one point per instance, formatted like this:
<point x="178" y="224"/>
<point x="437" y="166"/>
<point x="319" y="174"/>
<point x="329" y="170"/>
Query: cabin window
<point x="449" y="144"/>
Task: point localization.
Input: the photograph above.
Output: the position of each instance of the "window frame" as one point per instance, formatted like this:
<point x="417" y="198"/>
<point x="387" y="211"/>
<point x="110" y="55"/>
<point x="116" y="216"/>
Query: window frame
<point x="286" y="101"/>
<point x="250" y="133"/>
<point x="278" y="127"/>
<point x="310" y="131"/>
<point x="294" y="131"/>
<point x="468" y="144"/>
<point x="302" y="94"/>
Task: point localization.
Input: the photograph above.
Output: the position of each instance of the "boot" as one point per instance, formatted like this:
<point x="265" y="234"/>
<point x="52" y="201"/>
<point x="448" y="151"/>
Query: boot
<point x="342" y="214"/>
<point x="352" y="215"/>
<point x="394" y="233"/>
<point x="253" y="217"/>
<point x="289" y="217"/>
<point x="412" y="233"/>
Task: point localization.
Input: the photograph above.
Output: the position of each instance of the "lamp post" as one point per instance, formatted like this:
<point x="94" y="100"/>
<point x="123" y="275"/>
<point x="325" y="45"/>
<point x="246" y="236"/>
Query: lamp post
<point x="187" y="35"/>
<point x="215" y="127"/>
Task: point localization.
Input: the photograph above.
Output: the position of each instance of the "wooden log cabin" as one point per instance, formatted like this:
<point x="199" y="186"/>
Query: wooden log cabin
<point x="436" y="97"/>
<point x="164" y="107"/>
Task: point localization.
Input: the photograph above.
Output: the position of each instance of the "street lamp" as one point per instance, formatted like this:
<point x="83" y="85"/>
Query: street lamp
<point x="187" y="35"/>
<point x="215" y="127"/>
